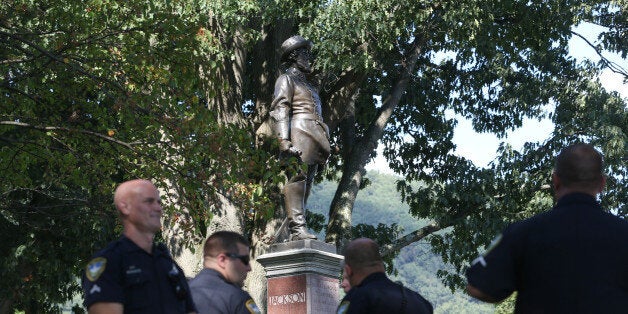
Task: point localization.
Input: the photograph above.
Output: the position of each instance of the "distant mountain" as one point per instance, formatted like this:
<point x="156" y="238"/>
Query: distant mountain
<point x="416" y="265"/>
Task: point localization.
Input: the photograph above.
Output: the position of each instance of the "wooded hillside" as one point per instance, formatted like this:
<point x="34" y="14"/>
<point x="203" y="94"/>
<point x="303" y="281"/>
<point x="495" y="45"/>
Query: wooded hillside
<point x="416" y="266"/>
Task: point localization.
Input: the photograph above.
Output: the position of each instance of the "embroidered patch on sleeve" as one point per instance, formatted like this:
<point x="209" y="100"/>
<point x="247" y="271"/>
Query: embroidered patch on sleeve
<point x="95" y="268"/>
<point x="343" y="307"/>
<point x="95" y="289"/>
<point x="493" y="245"/>
<point x="480" y="258"/>
<point x="252" y="307"/>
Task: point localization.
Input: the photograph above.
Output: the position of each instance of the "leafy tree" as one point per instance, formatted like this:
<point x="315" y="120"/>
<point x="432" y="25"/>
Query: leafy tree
<point x="96" y="92"/>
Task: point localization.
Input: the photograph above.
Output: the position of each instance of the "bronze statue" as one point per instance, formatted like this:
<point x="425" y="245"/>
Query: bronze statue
<point x="298" y="123"/>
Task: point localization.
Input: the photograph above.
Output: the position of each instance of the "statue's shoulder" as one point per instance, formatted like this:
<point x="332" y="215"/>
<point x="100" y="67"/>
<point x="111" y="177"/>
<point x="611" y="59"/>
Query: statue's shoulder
<point x="291" y="77"/>
<point x="283" y="81"/>
<point x="295" y="74"/>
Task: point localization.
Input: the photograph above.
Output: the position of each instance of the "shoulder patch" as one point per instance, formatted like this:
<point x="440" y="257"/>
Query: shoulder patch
<point x="343" y="307"/>
<point x="95" y="268"/>
<point x="252" y="307"/>
<point x="493" y="244"/>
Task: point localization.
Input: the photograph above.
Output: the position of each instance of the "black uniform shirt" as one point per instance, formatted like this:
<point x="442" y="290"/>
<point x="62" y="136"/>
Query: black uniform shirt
<point x="572" y="259"/>
<point x="214" y="295"/>
<point x="377" y="294"/>
<point x="142" y="282"/>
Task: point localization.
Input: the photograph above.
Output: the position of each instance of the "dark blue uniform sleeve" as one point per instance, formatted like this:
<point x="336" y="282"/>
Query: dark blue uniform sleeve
<point x="424" y="305"/>
<point x="101" y="280"/>
<point x="494" y="272"/>
<point x="189" y="302"/>
<point x="356" y="301"/>
<point x="246" y="305"/>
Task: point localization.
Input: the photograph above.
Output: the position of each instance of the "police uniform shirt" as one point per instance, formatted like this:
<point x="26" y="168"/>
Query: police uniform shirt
<point x="377" y="294"/>
<point x="572" y="259"/>
<point x="143" y="282"/>
<point x="212" y="294"/>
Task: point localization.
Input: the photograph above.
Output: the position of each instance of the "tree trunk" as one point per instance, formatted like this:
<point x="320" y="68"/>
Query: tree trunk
<point x="226" y="217"/>
<point x="224" y="92"/>
<point x="256" y="283"/>
<point x="339" y="226"/>
<point x="6" y="306"/>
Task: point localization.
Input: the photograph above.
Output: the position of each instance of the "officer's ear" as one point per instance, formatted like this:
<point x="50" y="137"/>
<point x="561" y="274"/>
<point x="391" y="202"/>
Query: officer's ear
<point x="123" y="208"/>
<point x="347" y="270"/>
<point x="601" y="185"/>
<point x="556" y="183"/>
<point x="221" y="260"/>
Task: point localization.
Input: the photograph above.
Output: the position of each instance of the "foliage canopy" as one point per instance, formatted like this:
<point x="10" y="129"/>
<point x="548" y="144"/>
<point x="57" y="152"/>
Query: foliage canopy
<point x="96" y="92"/>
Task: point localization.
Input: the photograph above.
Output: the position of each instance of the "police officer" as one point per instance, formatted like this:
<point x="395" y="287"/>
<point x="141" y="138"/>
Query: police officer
<point x="571" y="259"/>
<point x="133" y="274"/>
<point x="217" y="289"/>
<point x="345" y="284"/>
<point x="371" y="291"/>
<point x="298" y="124"/>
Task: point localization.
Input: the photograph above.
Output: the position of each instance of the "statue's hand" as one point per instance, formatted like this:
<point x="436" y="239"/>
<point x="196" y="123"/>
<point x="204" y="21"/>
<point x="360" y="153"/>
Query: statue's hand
<point x="294" y="151"/>
<point x="286" y="148"/>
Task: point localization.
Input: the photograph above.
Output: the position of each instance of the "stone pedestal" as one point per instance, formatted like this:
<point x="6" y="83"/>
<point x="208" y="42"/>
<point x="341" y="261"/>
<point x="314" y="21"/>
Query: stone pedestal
<point x="303" y="277"/>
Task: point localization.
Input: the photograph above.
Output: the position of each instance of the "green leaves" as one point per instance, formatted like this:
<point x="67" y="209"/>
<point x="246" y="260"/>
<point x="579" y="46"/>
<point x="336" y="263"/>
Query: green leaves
<point x="96" y="92"/>
<point x="92" y="94"/>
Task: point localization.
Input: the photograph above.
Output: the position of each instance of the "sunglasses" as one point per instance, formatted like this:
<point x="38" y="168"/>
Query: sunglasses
<point x="243" y="258"/>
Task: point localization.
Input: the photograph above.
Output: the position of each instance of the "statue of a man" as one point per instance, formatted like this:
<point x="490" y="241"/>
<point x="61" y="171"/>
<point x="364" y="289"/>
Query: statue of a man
<point x="298" y="123"/>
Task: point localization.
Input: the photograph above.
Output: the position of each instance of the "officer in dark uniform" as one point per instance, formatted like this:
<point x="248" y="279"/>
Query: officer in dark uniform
<point x="371" y="291"/>
<point x="217" y="289"/>
<point x="298" y="124"/>
<point x="571" y="259"/>
<point x="133" y="274"/>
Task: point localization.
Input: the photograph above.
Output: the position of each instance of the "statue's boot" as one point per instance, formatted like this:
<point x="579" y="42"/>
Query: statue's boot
<point x="294" y="194"/>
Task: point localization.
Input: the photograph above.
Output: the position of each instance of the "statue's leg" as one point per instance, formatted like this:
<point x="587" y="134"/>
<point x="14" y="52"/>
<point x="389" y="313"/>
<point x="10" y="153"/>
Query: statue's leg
<point x="294" y="195"/>
<point x="309" y="181"/>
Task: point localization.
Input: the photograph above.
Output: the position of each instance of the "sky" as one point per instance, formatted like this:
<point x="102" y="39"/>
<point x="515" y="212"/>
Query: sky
<point x="481" y="148"/>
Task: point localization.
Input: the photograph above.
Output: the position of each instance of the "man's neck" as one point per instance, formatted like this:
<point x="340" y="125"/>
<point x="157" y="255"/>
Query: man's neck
<point x="298" y="69"/>
<point x="565" y="191"/>
<point x="359" y="277"/>
<point x="143" y="240"/>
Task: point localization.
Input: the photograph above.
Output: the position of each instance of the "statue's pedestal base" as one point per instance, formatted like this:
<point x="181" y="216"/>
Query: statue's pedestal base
<point x="303" y="277"/>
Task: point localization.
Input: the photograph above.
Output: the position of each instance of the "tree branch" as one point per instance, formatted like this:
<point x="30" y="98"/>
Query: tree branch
<point x="59" y="59"/>
<point x="128" y="145"/>
<point x="616" y="68"/>
<point x="410" y="238"/>
<point x="57" y="128"/>
<point x="7" y="194"/>
<point x="29" y="96"/>
<point x="341" y="207"/>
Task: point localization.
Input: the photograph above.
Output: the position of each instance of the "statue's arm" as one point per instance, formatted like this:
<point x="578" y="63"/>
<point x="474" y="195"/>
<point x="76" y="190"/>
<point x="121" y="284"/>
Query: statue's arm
<point x="281" y="109"/>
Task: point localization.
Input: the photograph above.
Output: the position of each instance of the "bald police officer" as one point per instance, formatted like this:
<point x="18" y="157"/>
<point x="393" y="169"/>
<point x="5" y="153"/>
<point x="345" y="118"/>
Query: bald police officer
<point x="133" y="274"/>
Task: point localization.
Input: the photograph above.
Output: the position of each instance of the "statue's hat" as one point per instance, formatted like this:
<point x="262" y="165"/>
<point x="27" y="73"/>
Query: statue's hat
<point x="293" y="43"/>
